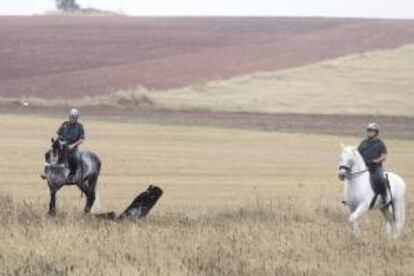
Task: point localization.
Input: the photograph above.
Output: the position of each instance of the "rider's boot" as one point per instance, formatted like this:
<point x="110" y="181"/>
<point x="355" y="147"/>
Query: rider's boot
<point x="383" y="190"/>
<point x="72" y="174"/>
<point x="384" y="198"/>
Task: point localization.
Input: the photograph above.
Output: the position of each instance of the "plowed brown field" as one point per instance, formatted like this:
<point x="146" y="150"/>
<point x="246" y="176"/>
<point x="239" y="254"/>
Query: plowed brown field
<point x="63" y="56"/>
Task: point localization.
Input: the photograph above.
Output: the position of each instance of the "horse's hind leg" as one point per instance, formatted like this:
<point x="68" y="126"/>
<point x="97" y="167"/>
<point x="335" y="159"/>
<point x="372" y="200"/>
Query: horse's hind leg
<point x="88" y="188"/>
<point x="90" y="199"/>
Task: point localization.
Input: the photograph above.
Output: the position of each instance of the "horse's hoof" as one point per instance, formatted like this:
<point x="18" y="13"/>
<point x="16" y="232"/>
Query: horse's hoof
<point x="51" y="213"/>
<point x="106" y="216"/>
<point x="86" y="213"/>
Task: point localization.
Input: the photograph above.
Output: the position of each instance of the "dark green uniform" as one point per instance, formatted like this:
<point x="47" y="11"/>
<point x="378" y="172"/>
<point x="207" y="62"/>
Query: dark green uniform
<point x="71" y="133"/>
<point x="372" y="149"/>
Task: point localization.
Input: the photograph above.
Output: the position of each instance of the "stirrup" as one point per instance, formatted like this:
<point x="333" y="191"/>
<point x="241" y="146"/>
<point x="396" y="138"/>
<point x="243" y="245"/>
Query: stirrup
<point x="71" y="179"/>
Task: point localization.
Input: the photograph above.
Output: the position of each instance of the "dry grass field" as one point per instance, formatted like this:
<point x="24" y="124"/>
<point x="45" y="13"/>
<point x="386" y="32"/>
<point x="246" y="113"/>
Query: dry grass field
<point x="379" y="82"/>
<point x="240" y="198"/>
<point x="236" y="202"/>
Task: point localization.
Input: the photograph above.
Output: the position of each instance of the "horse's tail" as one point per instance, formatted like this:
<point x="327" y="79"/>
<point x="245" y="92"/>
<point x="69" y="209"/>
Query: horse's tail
<point x="97" y="206"/>
<point x="402" y="213"/>
<point x="399" y="207"/>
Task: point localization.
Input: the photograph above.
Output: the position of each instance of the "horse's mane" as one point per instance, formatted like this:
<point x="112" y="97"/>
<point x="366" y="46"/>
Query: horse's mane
<point x="357" y="155"/>
<point x="62" y="150"/>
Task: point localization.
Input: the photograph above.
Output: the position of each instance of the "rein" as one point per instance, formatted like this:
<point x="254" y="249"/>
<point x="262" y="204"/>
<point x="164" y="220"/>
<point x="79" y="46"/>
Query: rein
<point x="353" y="175"/>
<point x="55" y="165"/>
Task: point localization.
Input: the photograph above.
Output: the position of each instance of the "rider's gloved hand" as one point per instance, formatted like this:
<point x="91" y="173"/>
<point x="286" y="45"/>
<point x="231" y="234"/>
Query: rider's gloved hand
<point x="371" y="162"/>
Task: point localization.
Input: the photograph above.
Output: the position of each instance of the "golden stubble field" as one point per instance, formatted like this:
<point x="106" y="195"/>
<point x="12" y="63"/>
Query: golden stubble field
<point x="236" y="202"/>
<point x="378" y="82"/>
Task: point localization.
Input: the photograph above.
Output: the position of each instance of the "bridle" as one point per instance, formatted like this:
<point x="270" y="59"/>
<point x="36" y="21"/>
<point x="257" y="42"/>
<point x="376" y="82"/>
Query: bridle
<point x="350" y="175"/>
<point x="49" y="165"/>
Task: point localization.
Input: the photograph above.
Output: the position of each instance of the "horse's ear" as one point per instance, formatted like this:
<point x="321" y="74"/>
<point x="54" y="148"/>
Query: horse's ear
<point x="52" y="140"/>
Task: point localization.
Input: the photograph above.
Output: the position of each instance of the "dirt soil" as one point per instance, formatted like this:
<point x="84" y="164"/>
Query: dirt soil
<point x="72" y="56"/>
<point x="349" y="125"/>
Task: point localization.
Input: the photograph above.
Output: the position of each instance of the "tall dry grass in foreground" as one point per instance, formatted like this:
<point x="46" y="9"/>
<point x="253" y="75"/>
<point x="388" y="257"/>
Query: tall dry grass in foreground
<point x="287" y="237"/>
<point x="236" y="202"/>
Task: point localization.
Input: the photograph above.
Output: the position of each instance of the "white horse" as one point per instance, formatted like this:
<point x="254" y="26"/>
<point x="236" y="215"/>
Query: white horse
<point x="359" y="196"/>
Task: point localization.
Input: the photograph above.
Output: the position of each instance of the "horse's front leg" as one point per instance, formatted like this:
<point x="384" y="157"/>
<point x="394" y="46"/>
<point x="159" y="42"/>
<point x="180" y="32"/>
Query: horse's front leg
<point x="53" y="189"/>
<point x="353" y="218"/>
<point x="355" y="228"/>
<point x="52" y="202"/>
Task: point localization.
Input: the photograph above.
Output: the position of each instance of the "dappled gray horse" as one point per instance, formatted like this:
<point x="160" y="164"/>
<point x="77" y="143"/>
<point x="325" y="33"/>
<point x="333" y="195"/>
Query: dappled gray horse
<point x="56" y="172"/>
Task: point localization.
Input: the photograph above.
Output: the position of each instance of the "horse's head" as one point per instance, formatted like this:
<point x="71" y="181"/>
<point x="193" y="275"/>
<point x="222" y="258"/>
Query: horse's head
<point x="55" y="174"/>
<point x="346" y="161"/>
<point x="55" y="158"/>
<point x="58" y="152"/>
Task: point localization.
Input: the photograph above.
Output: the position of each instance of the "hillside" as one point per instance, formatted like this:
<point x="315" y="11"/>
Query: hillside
<point x="379" y="82"/>
<point x="75" y="56"/>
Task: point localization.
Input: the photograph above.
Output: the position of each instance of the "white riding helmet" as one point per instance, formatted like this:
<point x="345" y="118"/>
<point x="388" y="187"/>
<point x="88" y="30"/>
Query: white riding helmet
<point x="74" y="114"/>
<point x="373" y="127"/>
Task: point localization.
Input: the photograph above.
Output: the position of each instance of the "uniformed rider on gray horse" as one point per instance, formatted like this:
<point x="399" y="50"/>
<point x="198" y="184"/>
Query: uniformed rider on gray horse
<point x="374" y="152"/>
<point x="71" y="132"/>
<point x="84" y="169"/>
<point x="65" y="164"/>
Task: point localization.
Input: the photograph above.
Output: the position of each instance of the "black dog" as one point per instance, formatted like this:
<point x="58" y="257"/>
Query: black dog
<point x="142" y="204"/>
<point x="139" y="207"/>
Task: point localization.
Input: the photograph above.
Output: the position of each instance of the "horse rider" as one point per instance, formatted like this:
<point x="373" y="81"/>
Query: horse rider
<point x="374" y="152"/>
<point x="72" y="133"/>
